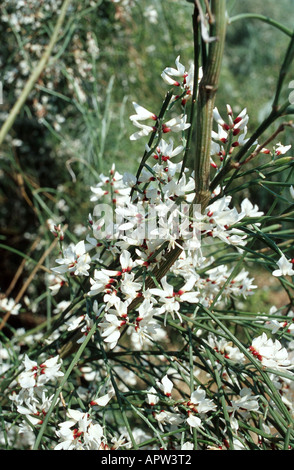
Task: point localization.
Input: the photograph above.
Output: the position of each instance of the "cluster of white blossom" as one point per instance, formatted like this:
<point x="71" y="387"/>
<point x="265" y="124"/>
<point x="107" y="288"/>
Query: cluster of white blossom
<point x="31" y="395"/>
<point x="161" y="186"/>
<point x="126" y="248"/>
<point x="118" y="288"/>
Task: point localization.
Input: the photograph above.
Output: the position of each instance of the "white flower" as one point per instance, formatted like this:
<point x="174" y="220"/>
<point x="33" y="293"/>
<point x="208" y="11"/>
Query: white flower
<point x="129" y="179"/>
<point x="74" y="323"/>
<point x="126" y="261"/>
<point x="55" y="283"/>
<point x="129" y="287"/>
<point x="225" y="348"/>
<point x="220" y="135"/>
<point x="79" y="432"/>
<point x="152" y="397"/>
<point x="176" y="124"/>
<point x="101" y="282"/>
<point x="281" y="149"/>
<point x="37" y="375"/>
<point x="186" y="77"/>
<point x="142" y="113"/>
<point x="104" y="399"/>
<point x="167" y="417"/>
<point x="165" y="386"/>
<point x="246" y="402"/>
<point x="187" y="446"/>
<point x="170" y="303"/>
<point x="111" y="329"/>
<point x="199" y="403"/>
<point x="285" y="267"/>
<point x="145" y="130"/>
<point x="194" y="421"/>
<point x="165" y="150"/>
<point x="292" y="191"/>
<point x="171" y="300"/>
<point x="248" y="210"/>
<point x="233" y="126"/>
<point x="86" y="328"/>
<point x="76" y="260"/>
<point x="146" y="328"/>
<point x="271" y="353"/>
<point x="178" y="72"/>
<point x="9" y="305"/>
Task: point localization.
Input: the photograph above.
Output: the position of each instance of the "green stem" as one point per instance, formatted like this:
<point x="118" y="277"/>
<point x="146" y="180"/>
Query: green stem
<point x="266" y="19"/>
<point x="207" y="92"/>
<point x="222" y="399"/>
<point x="118" y="394"/>
<point x="197" y="50"/>
<point x="63" y="382"/>
<point x="242" y="153"/>
<point x="276" y="112"/>
<point x="289" y="56"/>
<point x="271" y="387"/>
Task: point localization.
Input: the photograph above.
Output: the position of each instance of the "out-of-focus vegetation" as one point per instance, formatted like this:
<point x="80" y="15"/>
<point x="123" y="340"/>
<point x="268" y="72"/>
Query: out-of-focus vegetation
<point x="75" y="123"/>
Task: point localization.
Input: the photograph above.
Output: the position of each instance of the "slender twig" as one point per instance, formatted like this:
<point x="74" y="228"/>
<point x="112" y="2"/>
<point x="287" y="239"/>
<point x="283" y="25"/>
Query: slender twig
<point x="21" y="268"/>
<point x="205" y="104"/>
<point x="197" y="50"/>
<point x="289" y="57"/>
<point x="272" y="117"/>
<point x="153" y="135"/>
<point x="29" y="280"/>
<point x="60" y="387"/>
<point x="266" y="19"/>
<point x="257" y="151"/>
<point x="276" y="112"/>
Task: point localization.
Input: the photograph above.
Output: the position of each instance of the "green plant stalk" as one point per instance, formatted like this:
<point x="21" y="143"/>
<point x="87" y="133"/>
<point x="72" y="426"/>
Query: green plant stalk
<point x="289" y="56"/>
<point x="35" y="74"/>
<point x="242" y="153"/>
<point x="204" y="109"/>
<point x="119" y="396"/>
<point x="265" y="19"/>
<point x="63" y="382"/>
<point x="149" y="424"/>
<point x="197" y="50"/>
<point x="206" y="99"/>
<point x="222" y="399"/>
<point x="275" y="395"/>
<point x="276" y="112"/>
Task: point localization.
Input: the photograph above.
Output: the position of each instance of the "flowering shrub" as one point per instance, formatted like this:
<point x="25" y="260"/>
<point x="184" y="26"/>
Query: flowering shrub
<point x="151" y="346"/>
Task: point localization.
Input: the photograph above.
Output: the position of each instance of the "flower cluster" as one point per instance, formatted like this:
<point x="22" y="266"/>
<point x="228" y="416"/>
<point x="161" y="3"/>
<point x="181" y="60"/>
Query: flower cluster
<point x="150" y="262"/>
<point x="9" y="305"/>
<point x="118" y="287"/>
<point x="79" y="432"/>
<point x="33" y="391"/>
<point x="152" y="200"/>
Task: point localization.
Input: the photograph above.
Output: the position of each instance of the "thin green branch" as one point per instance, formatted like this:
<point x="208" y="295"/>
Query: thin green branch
<point x="265" y="19"/>
<point x="60" y="387"/>
<point x="205" y="104"/>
